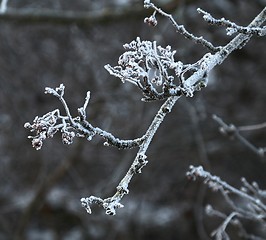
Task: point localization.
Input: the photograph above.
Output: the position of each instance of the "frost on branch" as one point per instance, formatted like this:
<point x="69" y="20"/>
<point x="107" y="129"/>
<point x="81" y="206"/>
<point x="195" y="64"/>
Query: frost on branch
<point x="109" y="204"/>
<point x="231" y="27"/>
<point x="70" y="127"/>
<point x="152" y="21"/>
<point x="179" y="28"/>
<point x="154" y="70"/>
<point x="45" y="127"/>
<point x="254" y="208"/>
<point x="51" y="122"/>
<point x="150" y="67"/>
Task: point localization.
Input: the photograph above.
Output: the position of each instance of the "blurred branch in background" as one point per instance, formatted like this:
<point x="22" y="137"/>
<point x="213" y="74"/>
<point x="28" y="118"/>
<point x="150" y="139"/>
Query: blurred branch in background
<point x="232" y="132"/>
<point x="254" y="208"/>
<point x="43" y="189"/>
<point x="3" y="6"/>
<point x="80" y="18"/>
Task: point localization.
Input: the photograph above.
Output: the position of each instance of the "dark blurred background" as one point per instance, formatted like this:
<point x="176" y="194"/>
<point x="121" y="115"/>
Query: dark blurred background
<point x="42" y="45"/>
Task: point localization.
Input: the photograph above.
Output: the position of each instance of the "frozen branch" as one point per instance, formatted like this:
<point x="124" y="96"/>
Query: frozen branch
<point x="179" y="28"/>
<point x="232" y="27"/>
<point x="154" y="70"/>
<point x="70" y="127"/>
<point x="232" y="131"/>
<point x="232" y="219"/>
<point x="220" y="232"/>
<point x="217" y="184"/>
<point x="255" y="208"/>
<point x="110" y="204"/>
<point x="150" y="67"/>
<point x="146" y="65"/>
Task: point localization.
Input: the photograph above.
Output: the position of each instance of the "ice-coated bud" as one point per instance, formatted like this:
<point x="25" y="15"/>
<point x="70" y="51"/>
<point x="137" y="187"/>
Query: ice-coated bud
<point x="147" y="3"/>
<point x="152" y="21"/>
<point x="37" y="143"/>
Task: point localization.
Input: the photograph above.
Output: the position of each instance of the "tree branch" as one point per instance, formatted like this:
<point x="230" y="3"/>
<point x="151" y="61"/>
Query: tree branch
<point x="66" y="17"/>
<point x="80" y="18"/>
<point x="145" y="65"/>
<point x="179" y="28"/>
<point x="111" y="203"/>
<point x="50" y="123"/>
<point x="231" y="26"/>
<point x="231" y="130"/>
<point x="255" y="209"/>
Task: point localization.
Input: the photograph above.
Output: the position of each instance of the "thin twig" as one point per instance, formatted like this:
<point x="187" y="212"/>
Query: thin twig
<point x="231" y="26"/>
<point x="233" y="131"/>
<point x="252" y="127"/>
<point x="254" y="210"/>
<point x="217" y="184"/>
<point x="182" y="30"/>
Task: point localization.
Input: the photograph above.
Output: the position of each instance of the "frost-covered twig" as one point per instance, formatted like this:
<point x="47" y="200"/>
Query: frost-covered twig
<point x="71" y="127"/>
<point x="110" y="204"/>
<point x="179" y="28"/>
<point x="232" y="27"/>
<point x="154" y="70"/>
<point x="254" y="209"/>
<point x="233" y="219"/>
<point x="216" y="183"/>
<point x="232" y="131"/>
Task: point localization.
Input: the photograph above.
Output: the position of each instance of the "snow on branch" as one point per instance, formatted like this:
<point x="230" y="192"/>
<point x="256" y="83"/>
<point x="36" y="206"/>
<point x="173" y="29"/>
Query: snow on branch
<point x="254" y="208"/>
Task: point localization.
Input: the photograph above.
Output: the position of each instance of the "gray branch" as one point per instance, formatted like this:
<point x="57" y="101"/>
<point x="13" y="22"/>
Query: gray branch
<point x="80" y="18"/>
<point x="231" y="26"/>
<point x="111" y="203"/>
<point x="232" y="131"/>
<point x="255" y="209"/>
<point x="65" y="17"/>
<point x="179" y="28"/>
